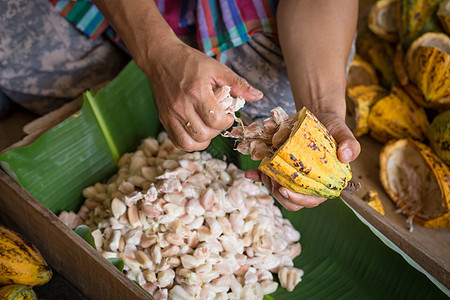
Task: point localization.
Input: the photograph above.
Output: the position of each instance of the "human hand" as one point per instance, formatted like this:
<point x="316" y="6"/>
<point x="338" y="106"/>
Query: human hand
<point x="183" y="81"/>
<point x="348" y="150"/>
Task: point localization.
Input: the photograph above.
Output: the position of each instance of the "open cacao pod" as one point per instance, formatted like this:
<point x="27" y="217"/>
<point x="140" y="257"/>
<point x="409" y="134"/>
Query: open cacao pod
<point x="361" y="72"/>
<point x="382" y="20"/>
<point x="428" y="67"/>
<point x="379" y="53"/>
<point x="415" y="18"/>
<point x="359" y="101"/>
<point x="443" y="14"/>
<point x="417" y="181"/>
<point x="397" y="116"/>
<point x="307" y="162"/>
<point x="438" y="134"/>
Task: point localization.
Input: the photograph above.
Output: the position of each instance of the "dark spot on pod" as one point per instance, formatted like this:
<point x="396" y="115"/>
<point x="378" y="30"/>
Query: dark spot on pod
<point x="292" y="157"/>
<point x="294" y="175"/>
<point x="303" y="168"/>
<point x="313" y="146"/>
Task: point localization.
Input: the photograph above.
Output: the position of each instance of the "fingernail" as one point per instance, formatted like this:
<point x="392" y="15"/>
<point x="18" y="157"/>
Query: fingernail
<point x="284" y="193"/>
<point x="347" y="154"/>
<point x="256" y="92"/>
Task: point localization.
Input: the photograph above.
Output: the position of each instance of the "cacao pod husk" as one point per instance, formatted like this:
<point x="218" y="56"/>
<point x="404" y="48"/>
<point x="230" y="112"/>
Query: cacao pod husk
<point x="417" y="181"/>
<point x="397" y="116"/>
<point x="443" y="14"/>
<point x="382" y="20"/>
<point x="359" y="100"/>
<point x="379" y="53"/>
<point x="17" y="292"/>
<point x="415" y="18"/>
<point x="20" y="261"/>
<point x="428" y="67"/>
<point x="361" y="72"/>
<point x="373" y="200"/>
<point x="438" y="134"/>
<point x="307" y="162"/>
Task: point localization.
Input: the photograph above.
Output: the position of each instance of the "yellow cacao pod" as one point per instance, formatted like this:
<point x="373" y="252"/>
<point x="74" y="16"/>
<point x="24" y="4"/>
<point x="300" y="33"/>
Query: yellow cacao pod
<point x="373" y="200"/>
<point x="415" y="18"/>
<point x="443" y="14"/>
<point x="397" y="116"/>
<point x="361" y="72"/>
<point x="359" y="101"/>
<point x="17" y="292"/>
<point x="438" y="134"/>
<point x="20" y="261"/>
<point x="428" y="67"/>
<point x="379" y="53"/>
<point x="307" y="162"/>
<point x="417" y="181"/>
<point x="382" y="20"/>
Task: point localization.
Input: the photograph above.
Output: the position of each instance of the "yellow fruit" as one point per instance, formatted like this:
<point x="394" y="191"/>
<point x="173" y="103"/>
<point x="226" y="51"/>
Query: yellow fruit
<point x="438" y="134"/>
<point x="399" y="65"/>
<point x="428" y="66"/>
<point x="360" y="72"/>
<point x="443" y="14"/>
<point x="415" y="17"/>
<point x="373" y="200"/>
<point x="397" y="116"/>
<point x="382" y="20"/>
<point x="17" y="292"/>
<point x="359" y="101"/>
<point x="379" y="53"/>
<point x="417" y="181"/>
<point x="307" y="162"/>
<point x="20" y="261"/>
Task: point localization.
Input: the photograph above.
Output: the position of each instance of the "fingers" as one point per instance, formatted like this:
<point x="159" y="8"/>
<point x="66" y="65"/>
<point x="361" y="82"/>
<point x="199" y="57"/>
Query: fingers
<point x="239" y="86"/>
<point x="301" y="199"/>
<point x="181" y="138"/>
<point x="348" y="147"/>
<point x="254" y="175"/>
<point x="212" y="114"/>
<point x="289" y="199"/>
<point x="196" y="128"/>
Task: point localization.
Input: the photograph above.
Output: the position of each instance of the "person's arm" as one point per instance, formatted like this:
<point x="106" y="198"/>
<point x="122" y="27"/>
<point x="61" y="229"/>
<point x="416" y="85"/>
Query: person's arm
<point x="315" y="38"/>
<point x="183" y="79"/>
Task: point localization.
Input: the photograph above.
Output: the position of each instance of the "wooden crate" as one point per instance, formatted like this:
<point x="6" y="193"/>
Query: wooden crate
<point x="96" y="278"/>
<point x="61" y="247"/>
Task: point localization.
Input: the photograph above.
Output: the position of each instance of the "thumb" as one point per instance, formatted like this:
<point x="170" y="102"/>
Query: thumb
<point x="239" y="86"/>
<point x="348" y="147"/>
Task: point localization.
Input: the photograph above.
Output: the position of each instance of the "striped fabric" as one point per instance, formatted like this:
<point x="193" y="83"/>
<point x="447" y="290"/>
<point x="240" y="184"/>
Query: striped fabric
<point x="219" y="24"/>
<point x="85" y="16"/>
<point x="224" y="24"/>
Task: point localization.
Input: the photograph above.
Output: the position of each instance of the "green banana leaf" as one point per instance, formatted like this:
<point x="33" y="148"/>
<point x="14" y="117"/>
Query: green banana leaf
<point x="341" y="257"/>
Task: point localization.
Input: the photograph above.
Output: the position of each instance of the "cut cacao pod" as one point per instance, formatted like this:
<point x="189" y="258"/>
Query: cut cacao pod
<point x="443" y="14"/>
<point x="399" y="66"/>
<point x="373" y="200"/>
<point x="361" y="73"/>
<point x="416" y="17"/>
<point x="20" y="261"/>
<point x="379" y="53"/>
<point x="428" y="66"/>
<point x="438" y="134"/>
<point x="307" y="162"/>
<point x="17" y="292"/>
<point x="417" y="181"/>
<point x="359" y="101"/>
<point x="382" y="20"/>
<point x="397" y="116"/>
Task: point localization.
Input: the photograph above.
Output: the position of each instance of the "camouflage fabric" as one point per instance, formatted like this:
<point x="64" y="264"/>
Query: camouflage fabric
<point x="261" y="63"/>
<point x="45" y="61"/>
